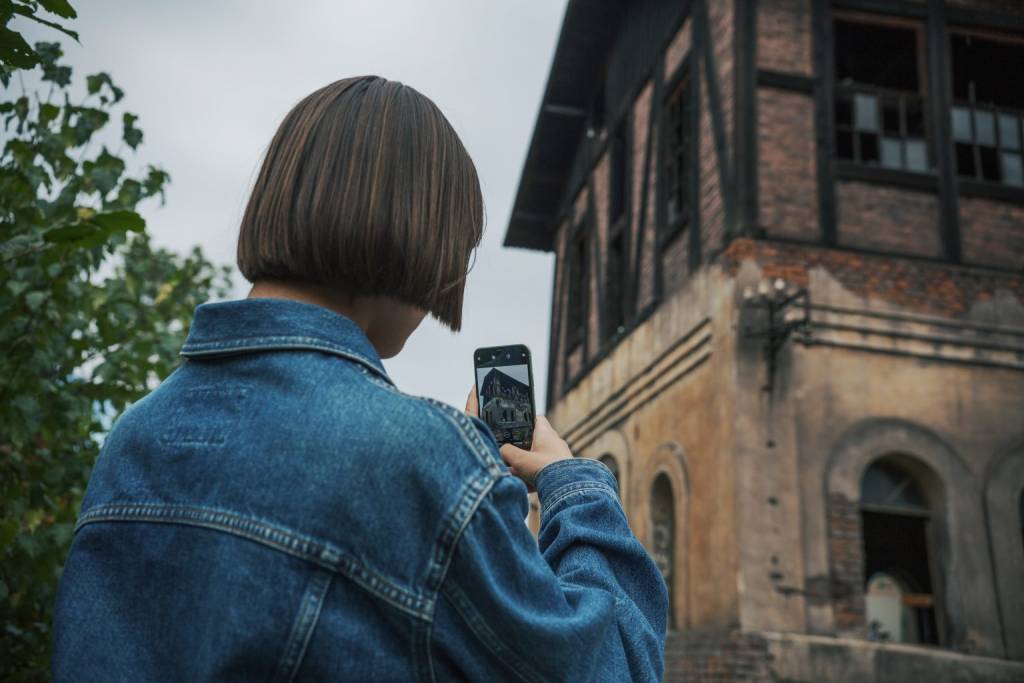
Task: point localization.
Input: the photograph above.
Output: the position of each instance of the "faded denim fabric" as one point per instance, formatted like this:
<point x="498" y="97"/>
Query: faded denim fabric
<point x="278" y="510"/>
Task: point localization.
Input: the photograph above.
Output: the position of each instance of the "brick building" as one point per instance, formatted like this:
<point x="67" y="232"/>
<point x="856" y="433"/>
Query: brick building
<point x="788" y="312"/>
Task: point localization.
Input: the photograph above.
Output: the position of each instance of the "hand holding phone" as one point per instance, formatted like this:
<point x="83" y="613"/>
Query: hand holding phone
<point x="545" y="445"/>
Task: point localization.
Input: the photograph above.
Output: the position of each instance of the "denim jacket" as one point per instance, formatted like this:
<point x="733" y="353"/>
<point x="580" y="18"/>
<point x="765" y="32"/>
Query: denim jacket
<point x="277" y="510"/>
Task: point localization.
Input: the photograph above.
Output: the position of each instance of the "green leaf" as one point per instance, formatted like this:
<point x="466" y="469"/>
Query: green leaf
<point x="17" y="287"/>
<point x="95" y="83"/>
<point x="120" y="221"/>
<point x="15" y="52"/>
<point x="35" y="299"/>
<point x="132" y="135"/>
<point x="48" y="113"/>
<point x="61" y="8"/>
<point x="8" y="530"/>
<point x="70" y="233"/>
<point x="104" y="171"/>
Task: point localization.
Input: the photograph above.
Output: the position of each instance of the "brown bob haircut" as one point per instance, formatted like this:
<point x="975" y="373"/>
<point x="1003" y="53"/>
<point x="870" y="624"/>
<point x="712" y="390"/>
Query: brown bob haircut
<point x="366" y="189"/>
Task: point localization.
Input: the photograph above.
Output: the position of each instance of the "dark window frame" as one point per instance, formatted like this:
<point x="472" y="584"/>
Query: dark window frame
<point x="578" y="262"/>
<point x="847" y="92"/>
<point x="680" y="86"/>
<point x="916" y="509"/>
<point x="971" y="107"/>
<point x="620" y="186"/>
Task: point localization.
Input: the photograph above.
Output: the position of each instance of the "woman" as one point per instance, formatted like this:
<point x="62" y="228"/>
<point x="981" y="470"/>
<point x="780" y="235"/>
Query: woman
<point x="277" y="509"/>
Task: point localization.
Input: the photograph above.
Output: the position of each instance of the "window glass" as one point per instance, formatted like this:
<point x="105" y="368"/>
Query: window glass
<point x="1009" y="131"/>
<point x="865" y="108"/>
<point x="962" y="124"/>
<point x="663" y="530"/>
<point x="984" y="128"/>
<point x="890" y="486"/>
<point x="1012" y="171"/>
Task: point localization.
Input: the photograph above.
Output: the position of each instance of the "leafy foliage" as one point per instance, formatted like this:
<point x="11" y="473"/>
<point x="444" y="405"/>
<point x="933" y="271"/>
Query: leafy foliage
<point x="91" y="317"/>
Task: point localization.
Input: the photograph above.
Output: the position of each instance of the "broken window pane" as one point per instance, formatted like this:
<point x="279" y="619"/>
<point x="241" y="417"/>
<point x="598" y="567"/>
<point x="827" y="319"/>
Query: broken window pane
<point x="892" y="155"/>
<point x="917" y="155"/>
<point x="961" y="124"/>
<point x="865" y="110"/>
<point x="1013" y="172"/>
<point x="984" y="128"/>
<point x="1009" y="131"/>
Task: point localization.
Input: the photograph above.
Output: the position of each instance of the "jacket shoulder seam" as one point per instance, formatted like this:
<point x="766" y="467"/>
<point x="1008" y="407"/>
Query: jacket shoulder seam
<point x="278" y="538"/>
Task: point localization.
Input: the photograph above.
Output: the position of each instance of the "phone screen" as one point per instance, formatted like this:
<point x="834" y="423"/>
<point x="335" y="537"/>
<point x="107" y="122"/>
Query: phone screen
<point x="504" y="393"/>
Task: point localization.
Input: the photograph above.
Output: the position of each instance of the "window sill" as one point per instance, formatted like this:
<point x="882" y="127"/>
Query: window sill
<point x="879" y="175"/>
<point x="997" y="191"/>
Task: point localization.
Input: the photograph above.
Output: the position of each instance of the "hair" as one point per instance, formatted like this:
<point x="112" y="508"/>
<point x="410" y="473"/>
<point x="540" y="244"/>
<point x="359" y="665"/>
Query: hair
<point x="367" y="189"/>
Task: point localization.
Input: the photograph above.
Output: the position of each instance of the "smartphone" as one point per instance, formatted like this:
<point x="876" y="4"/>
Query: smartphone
<point x="504" y="392"/>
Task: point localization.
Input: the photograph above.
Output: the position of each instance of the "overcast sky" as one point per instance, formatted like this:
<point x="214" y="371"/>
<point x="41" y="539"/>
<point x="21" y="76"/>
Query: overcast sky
<point x="210" y="82"/>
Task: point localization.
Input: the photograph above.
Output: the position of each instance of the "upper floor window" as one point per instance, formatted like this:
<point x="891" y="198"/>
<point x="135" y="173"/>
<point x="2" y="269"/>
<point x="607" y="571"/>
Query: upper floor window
<point x="675" y="122"/>
<point x="880" y="94"/>
<point x="614" y="280"/>
<point x="578" y="290"/>
<point x="988" y="108"/>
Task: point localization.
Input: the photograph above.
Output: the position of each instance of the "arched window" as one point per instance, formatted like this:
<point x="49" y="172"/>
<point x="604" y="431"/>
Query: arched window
<point x="611" y="463"/>
<point x="899" y="591"/>
<point x="663" y="534"/>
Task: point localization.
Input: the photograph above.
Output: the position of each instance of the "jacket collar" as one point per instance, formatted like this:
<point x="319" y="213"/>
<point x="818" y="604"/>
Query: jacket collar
<point x="254" y="325"/>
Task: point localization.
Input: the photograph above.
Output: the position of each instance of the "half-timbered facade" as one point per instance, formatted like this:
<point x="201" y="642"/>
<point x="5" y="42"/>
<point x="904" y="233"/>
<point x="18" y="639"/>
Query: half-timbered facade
<point x="788" y="313"/>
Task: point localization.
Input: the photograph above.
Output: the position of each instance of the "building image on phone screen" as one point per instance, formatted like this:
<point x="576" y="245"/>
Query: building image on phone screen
<point x="505" y="401"/>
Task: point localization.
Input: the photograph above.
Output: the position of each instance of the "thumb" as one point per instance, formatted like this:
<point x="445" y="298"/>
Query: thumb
<point x="472" y="407"/>
<point x="513" y="455"/>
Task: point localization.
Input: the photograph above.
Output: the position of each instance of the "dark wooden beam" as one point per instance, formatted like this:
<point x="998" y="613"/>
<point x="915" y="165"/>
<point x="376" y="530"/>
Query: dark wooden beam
<point x="745" y="117"/>
<point x="565" y="110"/>
<point x="592" y="274"/>
<point x="702" y="24"/>
<point x="981" y="18"/>
<point x="824" y="120"/>
<point x="555" y="324"/>
<point x="650" y="150"/>
<point x="782" y="80"/>
<point x="904" y="8"/>
<point x="939" y="106"/>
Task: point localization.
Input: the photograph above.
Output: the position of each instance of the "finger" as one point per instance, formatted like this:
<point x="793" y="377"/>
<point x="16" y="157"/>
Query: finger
<point x="544" y="427"/>
<point x="472" y="407"/>
<point x="512" y="455"/>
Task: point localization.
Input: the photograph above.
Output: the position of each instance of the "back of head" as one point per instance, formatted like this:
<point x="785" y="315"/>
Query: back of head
<point x="366" y="189"/>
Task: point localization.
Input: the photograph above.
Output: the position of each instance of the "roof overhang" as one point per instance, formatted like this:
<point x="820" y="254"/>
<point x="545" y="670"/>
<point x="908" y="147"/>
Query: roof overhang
<point x="588" y="28"/>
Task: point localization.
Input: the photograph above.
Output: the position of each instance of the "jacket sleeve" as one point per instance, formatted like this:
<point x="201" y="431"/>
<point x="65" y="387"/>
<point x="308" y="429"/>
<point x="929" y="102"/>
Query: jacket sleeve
<point x="585" y="603"/>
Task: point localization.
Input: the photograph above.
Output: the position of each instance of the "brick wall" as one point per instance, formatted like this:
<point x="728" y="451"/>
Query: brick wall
<point x="784" y="35"/>
<point x="675" y="267"/>
<point x="787" y="181"/>
<point x="846" y="565"/>
<point x="992" y="232"/>
<point x="698" y="656"/>
<point x="888" y="218"/>
<point x="641" y="120"/>
<point x="918" y="286"/>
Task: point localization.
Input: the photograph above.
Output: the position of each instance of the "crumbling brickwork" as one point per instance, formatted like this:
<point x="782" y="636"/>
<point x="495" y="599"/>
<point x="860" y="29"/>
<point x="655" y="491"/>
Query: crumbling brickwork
<point x="698" y="656"/>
